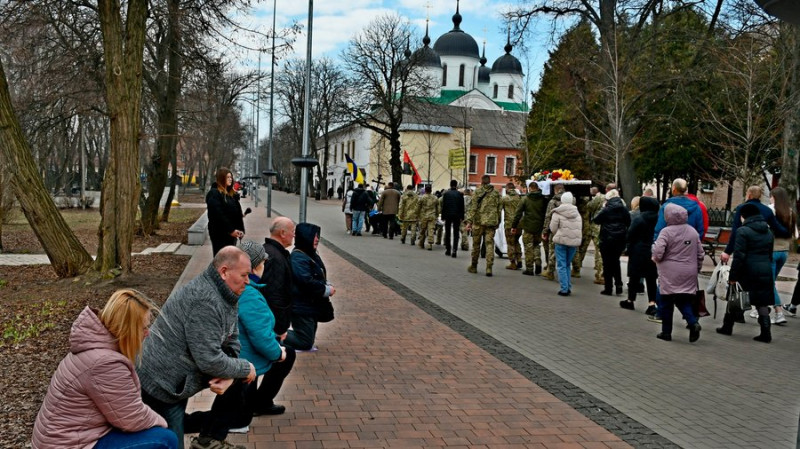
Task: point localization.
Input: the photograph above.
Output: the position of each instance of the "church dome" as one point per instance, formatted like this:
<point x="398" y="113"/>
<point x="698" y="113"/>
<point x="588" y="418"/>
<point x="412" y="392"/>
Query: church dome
<point x="425" y="56"/>
<point x="456" y="42"/>
<point x="507" y="63"/>
<point x="483" y="71"/>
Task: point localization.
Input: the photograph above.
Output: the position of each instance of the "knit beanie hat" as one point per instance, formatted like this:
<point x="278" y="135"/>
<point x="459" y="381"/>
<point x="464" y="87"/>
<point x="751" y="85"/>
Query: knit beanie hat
<point x="254" y="251"/>
<point x="567" y="198"/>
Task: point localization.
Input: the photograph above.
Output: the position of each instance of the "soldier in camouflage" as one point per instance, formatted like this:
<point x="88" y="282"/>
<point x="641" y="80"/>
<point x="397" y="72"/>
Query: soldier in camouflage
<point x="510" y="202"/>
<point x="550" y="250"/>
<point x="594" y="206"/>
<point x="428" y="212"/>
<point x="530" y="218"/>
<point x="483" y="219"/>
<point x="407" y="213"/>
<point x="464" y="232"/>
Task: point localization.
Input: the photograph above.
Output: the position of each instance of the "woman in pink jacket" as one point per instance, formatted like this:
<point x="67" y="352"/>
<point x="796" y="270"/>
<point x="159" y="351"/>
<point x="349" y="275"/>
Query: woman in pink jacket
<point x="678" y="254"/>
<point x="94" y="399"/>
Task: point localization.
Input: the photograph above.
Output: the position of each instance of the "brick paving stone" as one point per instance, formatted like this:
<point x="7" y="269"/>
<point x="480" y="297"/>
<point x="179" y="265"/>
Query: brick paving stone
<point x="418" y="337"/>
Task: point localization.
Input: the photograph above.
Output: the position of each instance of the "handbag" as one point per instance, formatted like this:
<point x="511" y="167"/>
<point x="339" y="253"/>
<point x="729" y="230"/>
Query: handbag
<point x="699" y="304"/>
<point x="738" y="297"/>
<point x="325" y="312"/>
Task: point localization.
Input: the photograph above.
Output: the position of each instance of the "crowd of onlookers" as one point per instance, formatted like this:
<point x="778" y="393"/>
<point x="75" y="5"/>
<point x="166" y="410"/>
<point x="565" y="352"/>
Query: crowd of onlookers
<point x="132" y="368"/>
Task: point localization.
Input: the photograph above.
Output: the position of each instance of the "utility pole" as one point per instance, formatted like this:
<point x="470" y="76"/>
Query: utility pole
<point x="269" y="173"/>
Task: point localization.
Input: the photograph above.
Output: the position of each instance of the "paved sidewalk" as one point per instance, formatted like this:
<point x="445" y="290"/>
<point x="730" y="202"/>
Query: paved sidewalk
<point x="388" y="374"/>
<point x="720" y="392"/>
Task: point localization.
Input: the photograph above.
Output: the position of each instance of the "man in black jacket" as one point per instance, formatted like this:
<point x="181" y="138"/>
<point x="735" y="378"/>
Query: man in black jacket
<point x="277" y="277"/>
<point x="452" y="214"/>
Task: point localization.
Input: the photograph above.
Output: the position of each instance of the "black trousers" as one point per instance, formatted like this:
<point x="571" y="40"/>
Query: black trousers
<point x="219" y="241"/>
<point x="263" y="396"/>
<point x="612" y="274"/>
<point x="633" y="287"/>
<point x="455" y="225"/>
<point x="227" y="412"/>
<point x="388" y="225"/>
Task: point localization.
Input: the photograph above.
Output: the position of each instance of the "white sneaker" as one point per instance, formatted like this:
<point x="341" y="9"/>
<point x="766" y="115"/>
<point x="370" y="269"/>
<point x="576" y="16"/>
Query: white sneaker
<point x="779" y="318"/>
<point x="754" y="313"/>
<point x="244" y="429"/>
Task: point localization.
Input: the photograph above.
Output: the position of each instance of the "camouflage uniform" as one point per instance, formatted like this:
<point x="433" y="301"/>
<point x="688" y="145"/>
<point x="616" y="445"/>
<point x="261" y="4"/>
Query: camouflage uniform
<point x="484" y="216"/>
<point x="428" y="212"/>
<point x="530" y="218"/>
<point x="586" y="237"/>
<point x="407" y="213"/>
<point x="550" y="247"/>
<point x="592" y="209"/>
<point x="510" y="202"/>
<point x="464" y="233"/>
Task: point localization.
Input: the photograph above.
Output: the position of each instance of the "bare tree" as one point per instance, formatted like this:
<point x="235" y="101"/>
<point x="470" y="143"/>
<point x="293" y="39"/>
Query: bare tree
<point x="384" y="81"/>
<point x="67" y="255"/>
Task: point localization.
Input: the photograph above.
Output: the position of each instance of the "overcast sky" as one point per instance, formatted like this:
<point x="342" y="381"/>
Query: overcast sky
<point x="336" y="22"/>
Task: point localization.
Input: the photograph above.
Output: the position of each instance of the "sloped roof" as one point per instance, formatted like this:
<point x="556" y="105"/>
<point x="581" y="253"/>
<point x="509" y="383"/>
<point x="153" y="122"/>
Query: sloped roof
<point x="490" y="129"/>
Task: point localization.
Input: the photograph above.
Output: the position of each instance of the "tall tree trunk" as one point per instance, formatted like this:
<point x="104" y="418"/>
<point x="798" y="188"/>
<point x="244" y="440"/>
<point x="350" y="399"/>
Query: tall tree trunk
<point x="167" y="94"/>
<point x="123" y="49"/>
<point x="67" y="256"/>
<point x="791" y="132"/>
<point x="173" y="185"/>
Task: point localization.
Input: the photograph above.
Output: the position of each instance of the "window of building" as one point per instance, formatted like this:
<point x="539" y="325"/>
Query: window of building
<point x="511" y="92"/>
<point x="473" y="163"/>
<point x="491" y="165"/>
<point x="335" y="154"/>
<point x="511" y="166"/>
<point x="444" y="75"/>
<point x="494" y="94"/>
<point x="461" y="75"/>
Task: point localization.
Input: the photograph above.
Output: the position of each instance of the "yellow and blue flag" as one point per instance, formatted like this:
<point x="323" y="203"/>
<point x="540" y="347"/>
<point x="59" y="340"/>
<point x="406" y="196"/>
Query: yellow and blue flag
<point x="353" y="169"/>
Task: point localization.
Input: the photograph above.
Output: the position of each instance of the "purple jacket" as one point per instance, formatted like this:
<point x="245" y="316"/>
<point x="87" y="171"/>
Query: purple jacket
<point x="678" y="253"/>
<point x="94" y="389"/>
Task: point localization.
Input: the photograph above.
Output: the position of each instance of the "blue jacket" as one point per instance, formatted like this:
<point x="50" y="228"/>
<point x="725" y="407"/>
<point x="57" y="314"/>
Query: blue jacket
<point x="695" y="215"/>
<point x="778" y="229"/>
<point x="256" y="335"/>
<point x="309" y="287"/>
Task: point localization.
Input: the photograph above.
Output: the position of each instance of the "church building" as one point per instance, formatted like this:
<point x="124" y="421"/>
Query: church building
<point x="473" y="123"/>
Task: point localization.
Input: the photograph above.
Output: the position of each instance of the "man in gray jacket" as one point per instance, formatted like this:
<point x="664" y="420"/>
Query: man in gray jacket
<point x="193" y="345"/>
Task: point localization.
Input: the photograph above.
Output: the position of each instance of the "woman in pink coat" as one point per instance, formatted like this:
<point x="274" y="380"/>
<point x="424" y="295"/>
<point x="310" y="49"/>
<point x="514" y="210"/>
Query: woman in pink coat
<point x="678" y="254"/>
<point x="94" y="399"/>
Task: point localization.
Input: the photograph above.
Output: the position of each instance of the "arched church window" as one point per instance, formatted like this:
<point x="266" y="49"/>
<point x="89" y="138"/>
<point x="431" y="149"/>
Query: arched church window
<point x="511" y="92"/>
<point x="444" y="75"/>
<point x="461" y="75"/>
<point x="494" y="94"/>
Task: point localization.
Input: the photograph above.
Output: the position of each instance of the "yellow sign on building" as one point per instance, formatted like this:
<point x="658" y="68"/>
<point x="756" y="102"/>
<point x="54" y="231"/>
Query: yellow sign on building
<point x="457" y="159"/>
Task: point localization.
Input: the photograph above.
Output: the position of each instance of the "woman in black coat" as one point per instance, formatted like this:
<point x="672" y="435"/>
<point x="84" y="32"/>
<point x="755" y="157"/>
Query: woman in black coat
<point x="614" y="220"/>
<point x="752" y="269"/>
<point x="225" y="219"/>
<point x="311" y="290"/>
<point x="640" y="263"/>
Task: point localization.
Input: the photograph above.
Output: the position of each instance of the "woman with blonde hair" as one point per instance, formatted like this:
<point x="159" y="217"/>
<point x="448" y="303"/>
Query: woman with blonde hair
<point x="225" y="218"/>
<point x="94" y="399"/>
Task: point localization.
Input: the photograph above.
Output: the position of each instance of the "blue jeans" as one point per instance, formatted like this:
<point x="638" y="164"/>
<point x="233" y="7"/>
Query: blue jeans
<point x="778" y="261"/>
<point x="172" y="413"/>
<point x="358" y="220"/>
<point x="152" y="438"/>
<point x="564" y="255"/>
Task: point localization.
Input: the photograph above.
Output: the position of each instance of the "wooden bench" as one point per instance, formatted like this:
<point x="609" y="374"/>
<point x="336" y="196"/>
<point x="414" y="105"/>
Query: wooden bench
<point x="716" y="239"/>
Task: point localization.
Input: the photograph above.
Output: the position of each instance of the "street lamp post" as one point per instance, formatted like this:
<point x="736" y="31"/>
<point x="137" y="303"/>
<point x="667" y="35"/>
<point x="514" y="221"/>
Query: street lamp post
<point x="258" y="119"/>
<point x="305" y="162"/>
<point x="270" y="172"/>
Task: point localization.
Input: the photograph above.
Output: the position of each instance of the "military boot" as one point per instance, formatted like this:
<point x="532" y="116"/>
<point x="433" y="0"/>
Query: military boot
<point x="489" y="271"/>
<point x="547" y="274"/>
<point x="576" y="273"/>
<point x="766" y="335"/>
<point x="473" y="268"/>
<point x="511" y="265"/>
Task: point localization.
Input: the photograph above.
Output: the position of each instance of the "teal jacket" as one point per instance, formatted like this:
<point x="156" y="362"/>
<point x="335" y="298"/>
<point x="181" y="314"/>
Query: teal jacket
<point x="256" y="329"/>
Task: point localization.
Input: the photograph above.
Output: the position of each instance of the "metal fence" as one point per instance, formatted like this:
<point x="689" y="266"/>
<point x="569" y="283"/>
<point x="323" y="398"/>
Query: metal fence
<point x="720" y="217"/>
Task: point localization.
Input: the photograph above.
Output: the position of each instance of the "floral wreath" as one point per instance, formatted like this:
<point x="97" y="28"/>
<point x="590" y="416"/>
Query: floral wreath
<point x="554" y="175"/>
